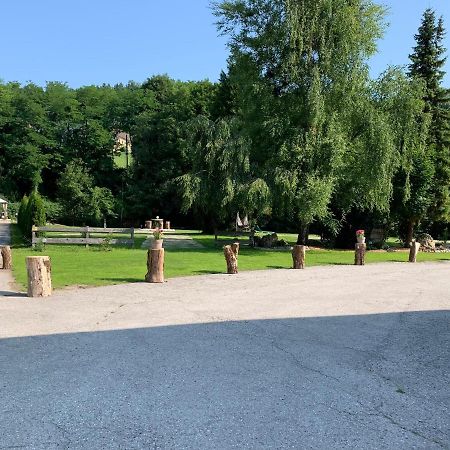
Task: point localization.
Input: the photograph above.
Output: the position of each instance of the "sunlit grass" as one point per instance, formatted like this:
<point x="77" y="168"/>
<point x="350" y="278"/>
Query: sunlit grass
<point x="77" y="265"/>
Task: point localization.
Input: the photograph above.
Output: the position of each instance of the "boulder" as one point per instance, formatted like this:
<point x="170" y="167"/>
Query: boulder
<point x="427" y="243"/>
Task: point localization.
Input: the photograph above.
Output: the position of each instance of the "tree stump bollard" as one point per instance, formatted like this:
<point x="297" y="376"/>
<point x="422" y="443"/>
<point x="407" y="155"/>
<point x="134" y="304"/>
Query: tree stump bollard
<point x="39" y="271"/>
<point x="298" y="256"/>
<point x="155" y="265"/>
<point x="360" y="253"/>
<point x="231" y="254"/>
<point x="414" y="249"/>
<point x="6" y="257"/>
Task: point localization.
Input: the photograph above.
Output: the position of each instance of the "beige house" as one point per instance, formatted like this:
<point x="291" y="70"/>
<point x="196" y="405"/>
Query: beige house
<point x="3" y="209"/>
<point x="122" y="143"/>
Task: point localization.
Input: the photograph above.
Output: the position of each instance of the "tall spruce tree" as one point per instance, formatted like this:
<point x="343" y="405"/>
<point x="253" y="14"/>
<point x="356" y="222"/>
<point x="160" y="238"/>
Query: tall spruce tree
<point x="427" y="63"/>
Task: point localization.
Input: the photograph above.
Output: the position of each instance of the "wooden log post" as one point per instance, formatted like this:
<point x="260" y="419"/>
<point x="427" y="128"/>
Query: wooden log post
<point x="360" y="254"/>
<point x="39" y="271"/>
<point x="155" y="265"/>
<point x="414" y="249"/>
<point x="6" y="257"/>
<point x="298" y="256"/>
<point x="231" y="259"/>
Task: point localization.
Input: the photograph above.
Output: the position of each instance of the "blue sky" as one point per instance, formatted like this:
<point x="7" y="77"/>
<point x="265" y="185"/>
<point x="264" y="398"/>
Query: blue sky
<point x="94" y="41"/>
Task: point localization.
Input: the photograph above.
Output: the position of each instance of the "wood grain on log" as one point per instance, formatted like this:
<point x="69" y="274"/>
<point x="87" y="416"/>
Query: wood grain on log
<point x="39" y="271"/>
<point x="235" y="248"/>
<point x="155" y="266"/>
<point x="298" y="256"/>
<point x="360" y="254"/>
<point x="414" y="249"/>
<point x="231" y="259"/>
<point x="6" y="257"/>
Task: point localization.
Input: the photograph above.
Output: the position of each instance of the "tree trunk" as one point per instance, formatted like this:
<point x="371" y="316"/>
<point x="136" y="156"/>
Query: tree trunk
<point x="298" y="256"/>
<point x="6" y="257"/>
<point x="360" y="253"/>
<point x="302" y="238"/>
<point x="410" y="232"/>
<point x="39" y="271"/>
<point x="413" y="251"/>
<point x="231" y="259"/>
<point x="155" y="266"/>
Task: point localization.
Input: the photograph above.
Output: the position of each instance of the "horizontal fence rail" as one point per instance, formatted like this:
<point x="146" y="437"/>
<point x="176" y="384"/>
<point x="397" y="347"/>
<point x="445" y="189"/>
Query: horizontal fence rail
<point x="85" y="239"/>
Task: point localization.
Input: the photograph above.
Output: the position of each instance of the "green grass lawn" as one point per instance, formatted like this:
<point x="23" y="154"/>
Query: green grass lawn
<point x="77" y="265"/>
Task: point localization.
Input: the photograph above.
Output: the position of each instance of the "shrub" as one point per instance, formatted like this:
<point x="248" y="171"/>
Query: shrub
<point x="21" y="215"/>
<point x="35" y="213"/>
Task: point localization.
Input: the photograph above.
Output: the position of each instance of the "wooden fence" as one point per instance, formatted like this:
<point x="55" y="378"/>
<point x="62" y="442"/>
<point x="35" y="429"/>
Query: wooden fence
<point x="86" y="238"/>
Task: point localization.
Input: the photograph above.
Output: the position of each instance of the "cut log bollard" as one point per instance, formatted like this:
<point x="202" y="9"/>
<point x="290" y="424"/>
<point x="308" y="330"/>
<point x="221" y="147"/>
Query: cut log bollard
<point x="298" y="256"/>
<point x="414" y="250"/>
<point x="155" y="265"/>
<point x="39" y="271"/>
<point x="231" y="259"/>
<point x="235" y="248"/>
<point x="360" y="254"/>
<point x="6" y="257"/>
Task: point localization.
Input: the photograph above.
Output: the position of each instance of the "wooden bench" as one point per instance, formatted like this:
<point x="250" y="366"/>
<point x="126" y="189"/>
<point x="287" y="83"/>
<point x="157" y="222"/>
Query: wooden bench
<point x="85" y="232"/>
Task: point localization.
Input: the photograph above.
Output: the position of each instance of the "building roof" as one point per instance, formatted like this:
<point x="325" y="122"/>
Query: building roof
<point x="3" y="201"/>
<point x="123" y="135"/>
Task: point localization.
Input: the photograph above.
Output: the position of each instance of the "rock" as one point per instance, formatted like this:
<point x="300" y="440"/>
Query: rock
<point x="427" y="243"/>
<point x="269" y="241"/>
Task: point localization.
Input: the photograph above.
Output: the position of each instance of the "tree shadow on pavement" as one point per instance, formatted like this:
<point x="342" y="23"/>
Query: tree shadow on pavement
<point x="359" y="381"/>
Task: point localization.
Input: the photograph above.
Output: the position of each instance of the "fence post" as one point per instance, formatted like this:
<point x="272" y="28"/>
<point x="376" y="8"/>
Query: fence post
<point x="132" y="237"/>
<point x="231" y="254"/>
<point x="87" y="236"/>
<point x="33" y="236"/>
<point x="6" y="257"/>
<point x="155" y="265"/>
<point x="39" y="271"/>
<point x="298" y="256"/>
<point x="360" y="253"/>
<point x="413" y="250"/>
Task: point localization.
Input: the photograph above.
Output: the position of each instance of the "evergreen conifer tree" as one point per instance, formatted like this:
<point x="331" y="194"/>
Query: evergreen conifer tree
<point x="427" y="63"/>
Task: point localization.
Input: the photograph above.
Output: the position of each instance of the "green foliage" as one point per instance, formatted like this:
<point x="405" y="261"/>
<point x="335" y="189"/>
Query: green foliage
<point x="298" y="70"/>
<point x="34" y="214"/>
<point x="427" y="64"/>
<point x="22" y="214"/>
<point x="82" y="201"/>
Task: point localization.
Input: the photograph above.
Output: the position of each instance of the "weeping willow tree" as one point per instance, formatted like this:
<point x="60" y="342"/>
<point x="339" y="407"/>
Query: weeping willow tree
<point x="305" y="102"/>
<point x="401" y="100"/>
<point x="219" y="180"/>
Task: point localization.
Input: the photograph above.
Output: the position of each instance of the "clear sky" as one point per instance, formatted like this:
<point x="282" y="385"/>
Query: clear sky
<point x="108" y="41"/>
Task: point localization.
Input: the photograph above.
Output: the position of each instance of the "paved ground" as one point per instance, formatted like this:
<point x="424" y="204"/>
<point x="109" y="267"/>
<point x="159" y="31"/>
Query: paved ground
<point x="4" y="232"/>
<point x="175" y="241"/>
<point x="328" y="357"/>
<point x="6" y="279"/>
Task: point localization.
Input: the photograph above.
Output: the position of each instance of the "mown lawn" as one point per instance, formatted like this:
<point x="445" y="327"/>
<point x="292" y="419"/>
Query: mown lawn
<point x="77" y="265"/>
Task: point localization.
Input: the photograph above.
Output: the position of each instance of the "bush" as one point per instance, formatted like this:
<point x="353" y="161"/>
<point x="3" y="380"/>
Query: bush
<point x="13" y="209"/>
<point x="21" y="214"/>
<point x="54" y="211"/>
<point x="35" y="213"/>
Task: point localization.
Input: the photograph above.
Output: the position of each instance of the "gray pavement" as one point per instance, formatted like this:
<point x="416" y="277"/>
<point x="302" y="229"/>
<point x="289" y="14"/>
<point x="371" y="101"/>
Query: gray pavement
<point x="329" y="357"/>
<point x="7" y="287"/>
<point x="5" y="237"/>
